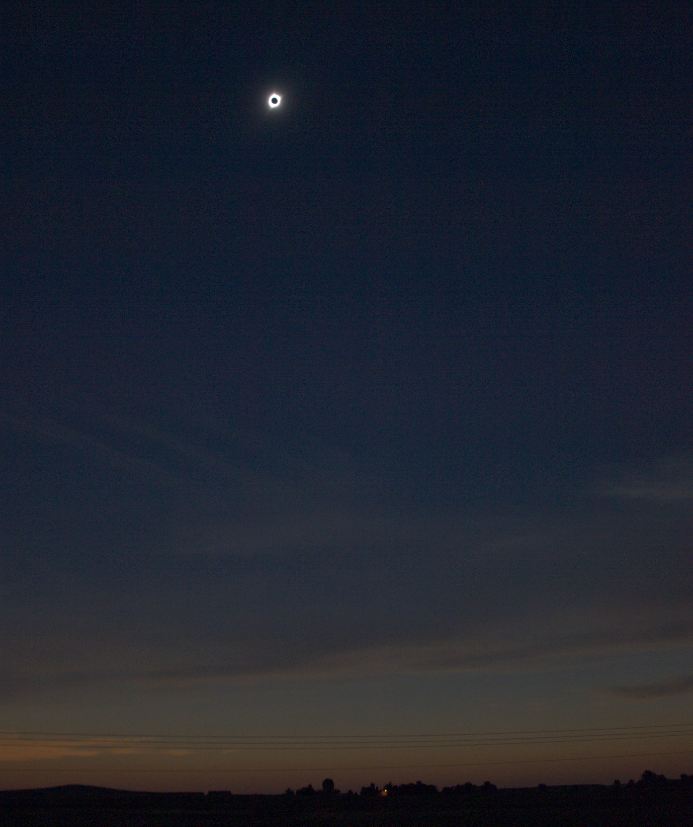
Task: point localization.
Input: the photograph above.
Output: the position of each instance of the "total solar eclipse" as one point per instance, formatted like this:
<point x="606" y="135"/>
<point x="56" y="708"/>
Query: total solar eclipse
<point x="274" y="100"/>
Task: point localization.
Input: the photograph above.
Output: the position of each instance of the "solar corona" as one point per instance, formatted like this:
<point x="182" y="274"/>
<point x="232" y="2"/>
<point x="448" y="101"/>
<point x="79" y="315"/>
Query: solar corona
<point x="274" y="100"/>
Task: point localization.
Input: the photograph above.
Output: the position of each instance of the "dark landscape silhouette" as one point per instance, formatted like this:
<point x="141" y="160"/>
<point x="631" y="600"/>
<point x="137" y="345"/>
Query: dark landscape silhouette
<point x="651" y="800"/>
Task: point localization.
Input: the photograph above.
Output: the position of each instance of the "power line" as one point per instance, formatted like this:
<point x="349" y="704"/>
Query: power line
<point x="487" y="733"/>
<point x="324" y="768"/>
<point x="235" y="743"/>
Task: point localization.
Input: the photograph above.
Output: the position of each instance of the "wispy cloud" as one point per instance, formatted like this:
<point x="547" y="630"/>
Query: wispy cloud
<point x="21" y="747"/>
<point x="81" y="439"/>
<point x="238" y="497"/>
<point x="511" y="645"/>
<point x="668" y="479"/>
<point x="680" y="685"/>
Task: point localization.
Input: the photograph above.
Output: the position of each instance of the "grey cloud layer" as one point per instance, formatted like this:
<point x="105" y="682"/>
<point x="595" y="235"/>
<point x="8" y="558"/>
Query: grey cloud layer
<point x="242" y="618"/>
<point x="315" y="563"/>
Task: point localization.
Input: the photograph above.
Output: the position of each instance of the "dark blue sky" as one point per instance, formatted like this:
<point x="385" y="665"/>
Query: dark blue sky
<point x="367" y="414"/>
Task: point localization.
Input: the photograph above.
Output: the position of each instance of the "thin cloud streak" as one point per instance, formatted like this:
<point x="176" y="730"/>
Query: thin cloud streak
<point x="668" y="479"/>
<point x="116" y="459"/>
<point x="681" y="685"/>
<point x="504" y="649"/>
<point x="20" y="747"/>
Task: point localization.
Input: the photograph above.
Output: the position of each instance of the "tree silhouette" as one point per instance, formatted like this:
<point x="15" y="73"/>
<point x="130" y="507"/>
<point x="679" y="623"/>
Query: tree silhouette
<point x="306" y="790"/>
<point x="328" y="786"/>
<point x="370" y="792"/>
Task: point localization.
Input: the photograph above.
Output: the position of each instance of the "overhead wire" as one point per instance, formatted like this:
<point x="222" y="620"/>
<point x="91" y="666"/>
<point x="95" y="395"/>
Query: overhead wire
<point x="181" y="745"/>
<point x="344" y="742"/>
<point x="360" y="768"/>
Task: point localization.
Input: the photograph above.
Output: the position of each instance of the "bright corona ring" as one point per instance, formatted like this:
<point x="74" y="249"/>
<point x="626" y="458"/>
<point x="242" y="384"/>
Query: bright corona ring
<point x="274" y="100"/>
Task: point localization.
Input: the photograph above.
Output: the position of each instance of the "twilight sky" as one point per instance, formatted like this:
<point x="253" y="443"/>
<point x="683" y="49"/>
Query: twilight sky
<point x="352" y="438"/>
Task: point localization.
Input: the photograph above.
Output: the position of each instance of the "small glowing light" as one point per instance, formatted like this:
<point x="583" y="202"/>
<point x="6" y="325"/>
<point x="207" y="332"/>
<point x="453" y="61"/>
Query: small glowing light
<point x="274" y="100"/>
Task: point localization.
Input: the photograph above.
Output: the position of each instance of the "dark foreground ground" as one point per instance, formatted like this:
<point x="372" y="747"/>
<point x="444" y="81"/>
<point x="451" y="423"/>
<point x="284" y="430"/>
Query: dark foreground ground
<point x="669" y="805"/>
